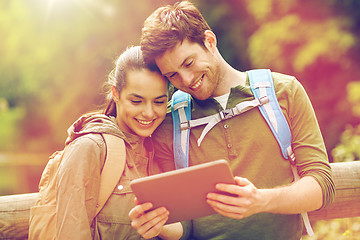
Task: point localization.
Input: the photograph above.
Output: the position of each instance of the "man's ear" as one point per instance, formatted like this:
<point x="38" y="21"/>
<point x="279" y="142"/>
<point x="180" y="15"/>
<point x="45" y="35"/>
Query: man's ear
<point x="210" y="40"/>
<point x="115" y="93"/>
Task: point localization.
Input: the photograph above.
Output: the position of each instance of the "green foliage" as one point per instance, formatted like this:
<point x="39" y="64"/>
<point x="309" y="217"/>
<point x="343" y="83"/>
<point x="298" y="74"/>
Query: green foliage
<point x="223" y="18"/>
<point x="8" y="181"/>
<point x="339" y="229"/>
<point x="296" y="44"/>
<point x="262" y="10"/>
<point x="348" y="148"/>
<point x="353" y="95"/>
<point x="307" y="40"/>
<point x="55" y="56"/>
<point x="9" y="126"/>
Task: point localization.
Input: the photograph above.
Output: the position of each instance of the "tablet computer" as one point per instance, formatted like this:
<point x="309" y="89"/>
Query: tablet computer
<point x="183" y="192"/>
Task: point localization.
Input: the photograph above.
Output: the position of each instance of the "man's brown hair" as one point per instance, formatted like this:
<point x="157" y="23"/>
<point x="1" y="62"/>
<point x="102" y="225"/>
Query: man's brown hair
<point x="169" y="25"/>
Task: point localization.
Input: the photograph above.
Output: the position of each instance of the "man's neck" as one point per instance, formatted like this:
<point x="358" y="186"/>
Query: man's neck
<point x="229" y="78"/>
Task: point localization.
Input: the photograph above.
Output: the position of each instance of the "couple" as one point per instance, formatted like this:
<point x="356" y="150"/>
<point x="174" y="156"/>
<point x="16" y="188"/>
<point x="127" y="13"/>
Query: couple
<point x="177" y="45"/>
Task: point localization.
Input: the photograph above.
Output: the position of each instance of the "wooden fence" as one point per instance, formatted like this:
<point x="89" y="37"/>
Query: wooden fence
<point x="347" y="199"/>
<point x="15" y="209"/>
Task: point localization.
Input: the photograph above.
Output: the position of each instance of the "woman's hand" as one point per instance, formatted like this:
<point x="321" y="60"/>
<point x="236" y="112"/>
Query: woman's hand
<point x="148" y="224"/>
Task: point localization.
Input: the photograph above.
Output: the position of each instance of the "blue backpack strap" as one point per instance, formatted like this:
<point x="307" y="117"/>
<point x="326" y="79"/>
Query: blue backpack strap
<point x="181" y="113"/>
<point x="261" y="84"/>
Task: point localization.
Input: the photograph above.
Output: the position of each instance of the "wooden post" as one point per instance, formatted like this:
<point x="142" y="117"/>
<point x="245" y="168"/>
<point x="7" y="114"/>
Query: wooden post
<point x="15" y="209"/>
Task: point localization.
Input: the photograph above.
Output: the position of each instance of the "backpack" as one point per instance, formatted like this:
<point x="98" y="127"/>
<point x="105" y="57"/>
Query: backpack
<point x="262" y="86"/>
<point x="43" y="214"/>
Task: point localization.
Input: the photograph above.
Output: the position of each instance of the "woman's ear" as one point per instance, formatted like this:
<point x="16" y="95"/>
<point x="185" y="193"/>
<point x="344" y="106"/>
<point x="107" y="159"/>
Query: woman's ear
<point x="115" y="93"/>
<point x="210" y="40"/>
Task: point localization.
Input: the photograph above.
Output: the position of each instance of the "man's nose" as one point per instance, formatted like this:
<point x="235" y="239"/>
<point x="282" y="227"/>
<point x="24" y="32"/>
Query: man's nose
<point x="186" y="77"/>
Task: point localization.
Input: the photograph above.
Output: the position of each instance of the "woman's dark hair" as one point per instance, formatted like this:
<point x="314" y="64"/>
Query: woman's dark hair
<point x="131" y="59"/>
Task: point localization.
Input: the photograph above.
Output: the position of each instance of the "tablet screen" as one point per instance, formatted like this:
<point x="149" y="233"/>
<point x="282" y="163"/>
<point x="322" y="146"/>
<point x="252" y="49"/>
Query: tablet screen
<point x="183" y="192"/>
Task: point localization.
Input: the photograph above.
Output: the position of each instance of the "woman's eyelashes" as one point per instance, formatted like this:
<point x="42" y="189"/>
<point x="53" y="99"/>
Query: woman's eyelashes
<point x="158" y="102"/>
<point x="135" y="102"/>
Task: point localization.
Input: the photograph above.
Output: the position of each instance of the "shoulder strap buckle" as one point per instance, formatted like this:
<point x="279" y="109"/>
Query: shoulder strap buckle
<point x="185" y="125"/>
<point x="263" y="100"/>
<point x="226" y="114"/>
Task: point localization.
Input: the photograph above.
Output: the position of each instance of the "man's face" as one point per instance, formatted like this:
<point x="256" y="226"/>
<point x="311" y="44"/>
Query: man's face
<point x="191" y="68"/>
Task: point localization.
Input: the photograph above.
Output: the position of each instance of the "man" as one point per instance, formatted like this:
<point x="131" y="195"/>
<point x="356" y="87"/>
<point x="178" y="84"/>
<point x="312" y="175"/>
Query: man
<point x="267" y="202"/>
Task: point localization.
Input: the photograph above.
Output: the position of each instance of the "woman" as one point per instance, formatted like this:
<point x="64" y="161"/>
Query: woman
<point x="137" y="101"/>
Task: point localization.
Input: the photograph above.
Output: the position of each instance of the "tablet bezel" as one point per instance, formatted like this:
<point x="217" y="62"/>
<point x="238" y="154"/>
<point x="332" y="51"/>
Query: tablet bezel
<point x="183" y="192"/>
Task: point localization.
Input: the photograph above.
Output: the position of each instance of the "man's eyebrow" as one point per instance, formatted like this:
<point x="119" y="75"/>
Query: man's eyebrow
<point x="182" y="64"/>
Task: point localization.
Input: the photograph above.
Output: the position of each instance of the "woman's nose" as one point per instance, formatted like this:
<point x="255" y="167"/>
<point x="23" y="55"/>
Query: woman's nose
<point x="148" y="111"/>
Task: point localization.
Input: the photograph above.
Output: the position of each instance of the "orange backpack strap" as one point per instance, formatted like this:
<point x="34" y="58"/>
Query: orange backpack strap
<point x="113" y="168"/>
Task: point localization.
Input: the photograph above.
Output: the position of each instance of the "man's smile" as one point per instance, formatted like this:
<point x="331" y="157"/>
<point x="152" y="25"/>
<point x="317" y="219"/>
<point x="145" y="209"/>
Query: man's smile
<point x="197" y="84"/>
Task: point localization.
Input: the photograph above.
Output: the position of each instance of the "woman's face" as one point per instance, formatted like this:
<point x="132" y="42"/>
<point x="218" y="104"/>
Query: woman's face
<point x="142" y="103"/>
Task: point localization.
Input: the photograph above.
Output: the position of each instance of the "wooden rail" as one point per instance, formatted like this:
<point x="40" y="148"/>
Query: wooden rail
<point x="15" y="209"/>
<point x="14" y="215"/>
<point x="347" y="199"/>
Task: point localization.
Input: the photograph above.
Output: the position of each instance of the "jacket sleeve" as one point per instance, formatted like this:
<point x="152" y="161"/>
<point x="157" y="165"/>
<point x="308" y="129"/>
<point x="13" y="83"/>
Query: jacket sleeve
<point x="308" y="144"/>
<point x="78" y="189"/>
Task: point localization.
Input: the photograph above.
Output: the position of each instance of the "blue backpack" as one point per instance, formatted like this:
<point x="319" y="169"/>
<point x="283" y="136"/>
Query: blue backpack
<point x="262" y="86"/>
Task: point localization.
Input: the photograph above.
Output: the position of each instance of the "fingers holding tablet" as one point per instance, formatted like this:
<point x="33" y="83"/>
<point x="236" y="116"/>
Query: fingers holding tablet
<point x="183" y="192"/>
<point x="240" y="200"/>
<point x="148" y="223"/>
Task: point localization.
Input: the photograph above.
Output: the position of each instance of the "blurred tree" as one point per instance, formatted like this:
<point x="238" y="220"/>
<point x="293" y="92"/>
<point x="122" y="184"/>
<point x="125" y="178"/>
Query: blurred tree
<point x="55" y="57"/>
<point x="302" y="38"/>
<point x="223" y="19"/>
<point x="353" y="96"/>
<point x="349" y="147"/>
<point x="349" y="9"/>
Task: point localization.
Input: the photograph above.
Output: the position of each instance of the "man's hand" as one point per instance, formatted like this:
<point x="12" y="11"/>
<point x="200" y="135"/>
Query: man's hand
<point x="246" y="202"/>
<point x="305" y="195"/>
